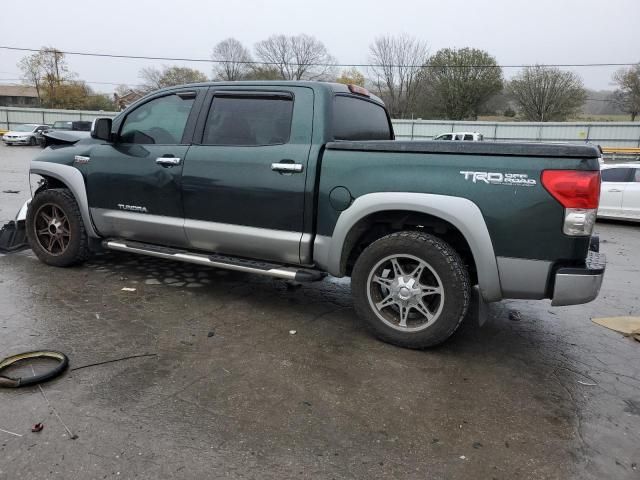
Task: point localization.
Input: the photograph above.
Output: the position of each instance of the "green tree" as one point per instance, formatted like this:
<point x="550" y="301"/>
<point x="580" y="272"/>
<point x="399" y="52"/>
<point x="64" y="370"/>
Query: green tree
<point x="546" y="94"/>
<point x="461" y="81"/>
<point x="155" y="78"/>
<point x="351" y="77"/>
<point x="627" y="95"/>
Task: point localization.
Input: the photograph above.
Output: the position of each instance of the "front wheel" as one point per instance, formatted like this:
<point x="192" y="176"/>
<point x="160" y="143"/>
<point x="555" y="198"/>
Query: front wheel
<point x="33" y="142"/>
<point x="55" y="229"/>
<point x="411" y="288"/>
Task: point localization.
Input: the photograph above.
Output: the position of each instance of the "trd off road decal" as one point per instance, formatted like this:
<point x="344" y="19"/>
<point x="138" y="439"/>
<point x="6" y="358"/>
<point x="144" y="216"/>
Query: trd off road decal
<point x="498" y="178"/>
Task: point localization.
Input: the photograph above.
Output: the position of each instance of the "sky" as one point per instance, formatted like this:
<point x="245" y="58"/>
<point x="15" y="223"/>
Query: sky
<point x="513" y="31"/>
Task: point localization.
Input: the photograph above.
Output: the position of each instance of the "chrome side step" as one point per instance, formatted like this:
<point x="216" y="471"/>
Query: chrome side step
<point x="214" y="260"/>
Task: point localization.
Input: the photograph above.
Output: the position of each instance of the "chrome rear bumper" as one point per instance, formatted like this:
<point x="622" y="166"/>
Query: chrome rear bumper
<point x="579" y="285"/>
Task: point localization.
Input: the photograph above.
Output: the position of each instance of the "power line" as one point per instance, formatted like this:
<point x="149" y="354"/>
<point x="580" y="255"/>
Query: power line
<point x="256" y="62"/>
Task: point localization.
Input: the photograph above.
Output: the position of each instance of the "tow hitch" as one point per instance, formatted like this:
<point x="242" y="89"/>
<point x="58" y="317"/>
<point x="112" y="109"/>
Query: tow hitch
<point x="13" y="235"/>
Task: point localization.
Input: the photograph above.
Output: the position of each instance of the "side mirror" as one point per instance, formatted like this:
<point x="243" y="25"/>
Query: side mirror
<point x="101" y="129"/>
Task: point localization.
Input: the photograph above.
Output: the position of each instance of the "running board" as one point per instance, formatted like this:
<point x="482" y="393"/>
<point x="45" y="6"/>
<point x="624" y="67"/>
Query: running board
<point x="215" y="260"/>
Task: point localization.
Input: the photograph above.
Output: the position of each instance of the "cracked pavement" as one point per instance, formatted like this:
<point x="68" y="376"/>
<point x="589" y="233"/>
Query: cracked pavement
<point x="227" y="392"/>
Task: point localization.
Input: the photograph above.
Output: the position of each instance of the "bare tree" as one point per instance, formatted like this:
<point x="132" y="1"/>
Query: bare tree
<point x="46" y="70"/>
<point x="155" y="78"/>
<point x="234" y="60"/>
<point x="461" y="81"/>
<point x="545" y="94"/>
<point x="31" y="67"/>
<point x="298" y="57"/>
<point x="398" y="62"/>
<point x="627" y="95"/>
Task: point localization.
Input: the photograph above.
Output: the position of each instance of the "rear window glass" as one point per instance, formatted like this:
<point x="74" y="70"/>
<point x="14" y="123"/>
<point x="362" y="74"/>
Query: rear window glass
<point x="249" y="121"/>
<point x="359" y="119"/>
<point x="616" y="175"/>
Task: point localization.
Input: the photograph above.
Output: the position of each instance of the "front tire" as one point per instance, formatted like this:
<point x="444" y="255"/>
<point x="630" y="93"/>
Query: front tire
<point x="55" y="230"/>
<point x="411" y="288"/>
<point x="33" y="142"/>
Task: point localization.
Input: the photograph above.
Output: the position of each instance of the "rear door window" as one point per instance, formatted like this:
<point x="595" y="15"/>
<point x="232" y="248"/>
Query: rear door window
<point x="468" y="137"/>
<point x="246" y="120"/>
<point x="359" y="119"/>
<point x="617" y="174"/>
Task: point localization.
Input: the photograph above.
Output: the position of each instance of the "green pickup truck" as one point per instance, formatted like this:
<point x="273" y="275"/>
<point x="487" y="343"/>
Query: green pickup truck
<point x="297" y="180"/>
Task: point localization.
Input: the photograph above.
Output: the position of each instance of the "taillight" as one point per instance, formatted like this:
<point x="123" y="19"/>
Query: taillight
<point x="578" y="192"/>
<point x="573" y="188"/>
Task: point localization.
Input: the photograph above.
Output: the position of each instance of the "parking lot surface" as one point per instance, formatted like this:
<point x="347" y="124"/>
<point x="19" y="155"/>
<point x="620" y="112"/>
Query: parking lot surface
<point x="237" y="376"/>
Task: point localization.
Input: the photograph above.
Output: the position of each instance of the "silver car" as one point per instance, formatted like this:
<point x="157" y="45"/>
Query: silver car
<point x="25" y="134"/>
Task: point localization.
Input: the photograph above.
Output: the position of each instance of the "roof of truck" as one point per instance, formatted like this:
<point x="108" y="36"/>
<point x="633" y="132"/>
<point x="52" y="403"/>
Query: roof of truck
<point x="335" y="87"/>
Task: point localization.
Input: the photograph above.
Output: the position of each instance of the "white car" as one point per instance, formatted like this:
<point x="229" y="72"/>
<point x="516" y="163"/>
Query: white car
<point x="468" y="136"/>
<point x="25" y="134"/>
<point x="620" y="191"/>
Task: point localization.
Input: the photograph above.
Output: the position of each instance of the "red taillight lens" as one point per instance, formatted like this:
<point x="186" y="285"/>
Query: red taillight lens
<point x="573" y="188"/>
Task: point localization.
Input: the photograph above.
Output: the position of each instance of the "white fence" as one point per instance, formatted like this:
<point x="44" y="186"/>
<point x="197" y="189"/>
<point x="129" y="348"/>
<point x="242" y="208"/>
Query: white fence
<point x="607" y="134"/>
<point x="12" y="116"/>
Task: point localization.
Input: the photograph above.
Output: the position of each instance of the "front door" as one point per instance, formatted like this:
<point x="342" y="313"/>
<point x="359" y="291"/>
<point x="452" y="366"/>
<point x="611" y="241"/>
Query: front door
<point x="134" y="184"/>
<point x="244" y="181"/>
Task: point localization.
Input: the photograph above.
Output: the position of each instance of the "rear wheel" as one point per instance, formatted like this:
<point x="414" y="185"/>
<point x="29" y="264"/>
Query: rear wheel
<point x="55" y="229"/>
<point x="412" y="289"/>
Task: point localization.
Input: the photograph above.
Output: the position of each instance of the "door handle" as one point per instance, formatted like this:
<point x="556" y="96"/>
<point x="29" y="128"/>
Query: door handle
<point x="614" y="190"/>
<point x="168" y="161"/>
<point x="287" y="167"/>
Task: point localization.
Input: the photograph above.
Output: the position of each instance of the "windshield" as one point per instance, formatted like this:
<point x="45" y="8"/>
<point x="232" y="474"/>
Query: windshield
<point x="24" y="128"/>
<point x="60" y="125"/>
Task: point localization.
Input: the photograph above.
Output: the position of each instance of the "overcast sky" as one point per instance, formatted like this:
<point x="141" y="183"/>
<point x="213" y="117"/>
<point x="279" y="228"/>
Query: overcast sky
<point x="514" y="31"/>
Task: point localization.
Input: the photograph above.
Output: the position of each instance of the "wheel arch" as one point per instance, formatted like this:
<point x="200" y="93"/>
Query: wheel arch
<point x="65" y="176"/>
<point x="460" y="217"/>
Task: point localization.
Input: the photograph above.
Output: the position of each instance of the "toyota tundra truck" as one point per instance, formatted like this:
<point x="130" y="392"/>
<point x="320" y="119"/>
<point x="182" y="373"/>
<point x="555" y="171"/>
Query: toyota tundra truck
<point x="297" y="180"/>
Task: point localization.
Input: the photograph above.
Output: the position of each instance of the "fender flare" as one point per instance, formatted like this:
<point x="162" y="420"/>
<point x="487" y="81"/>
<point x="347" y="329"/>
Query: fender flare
<point x="74" y="181"/>
<point x="460" y="212"/>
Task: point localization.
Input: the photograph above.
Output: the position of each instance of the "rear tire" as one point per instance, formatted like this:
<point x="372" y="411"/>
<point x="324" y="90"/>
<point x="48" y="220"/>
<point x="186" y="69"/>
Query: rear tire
<point x="55" y="229"/>
<point x="411" y="289"/>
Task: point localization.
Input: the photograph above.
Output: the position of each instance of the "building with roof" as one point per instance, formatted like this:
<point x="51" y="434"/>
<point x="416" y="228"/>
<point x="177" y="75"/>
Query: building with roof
<point x="18" y="96"/>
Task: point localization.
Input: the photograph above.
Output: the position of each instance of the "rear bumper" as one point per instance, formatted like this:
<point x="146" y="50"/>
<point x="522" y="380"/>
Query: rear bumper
<point x="573" y="286"/>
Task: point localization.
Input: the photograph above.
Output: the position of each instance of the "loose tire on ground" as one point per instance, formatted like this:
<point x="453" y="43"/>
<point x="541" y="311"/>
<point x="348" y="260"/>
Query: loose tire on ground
<point x="411" y="289"/>
<point x="55" y="230"/>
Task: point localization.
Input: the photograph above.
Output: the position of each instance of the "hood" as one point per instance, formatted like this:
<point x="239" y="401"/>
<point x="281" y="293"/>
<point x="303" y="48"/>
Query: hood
<point x="67" y="136"/>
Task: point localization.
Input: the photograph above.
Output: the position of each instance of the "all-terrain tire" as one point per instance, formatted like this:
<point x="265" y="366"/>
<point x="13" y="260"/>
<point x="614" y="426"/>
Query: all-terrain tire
<point x="450" y="271"/>
<point x="77" y="247"/>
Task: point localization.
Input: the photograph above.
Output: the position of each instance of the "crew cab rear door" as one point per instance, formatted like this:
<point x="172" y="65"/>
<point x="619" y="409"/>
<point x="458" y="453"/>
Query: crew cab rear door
<point x="134" y="183"/>
<point x="243" y="182"/>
